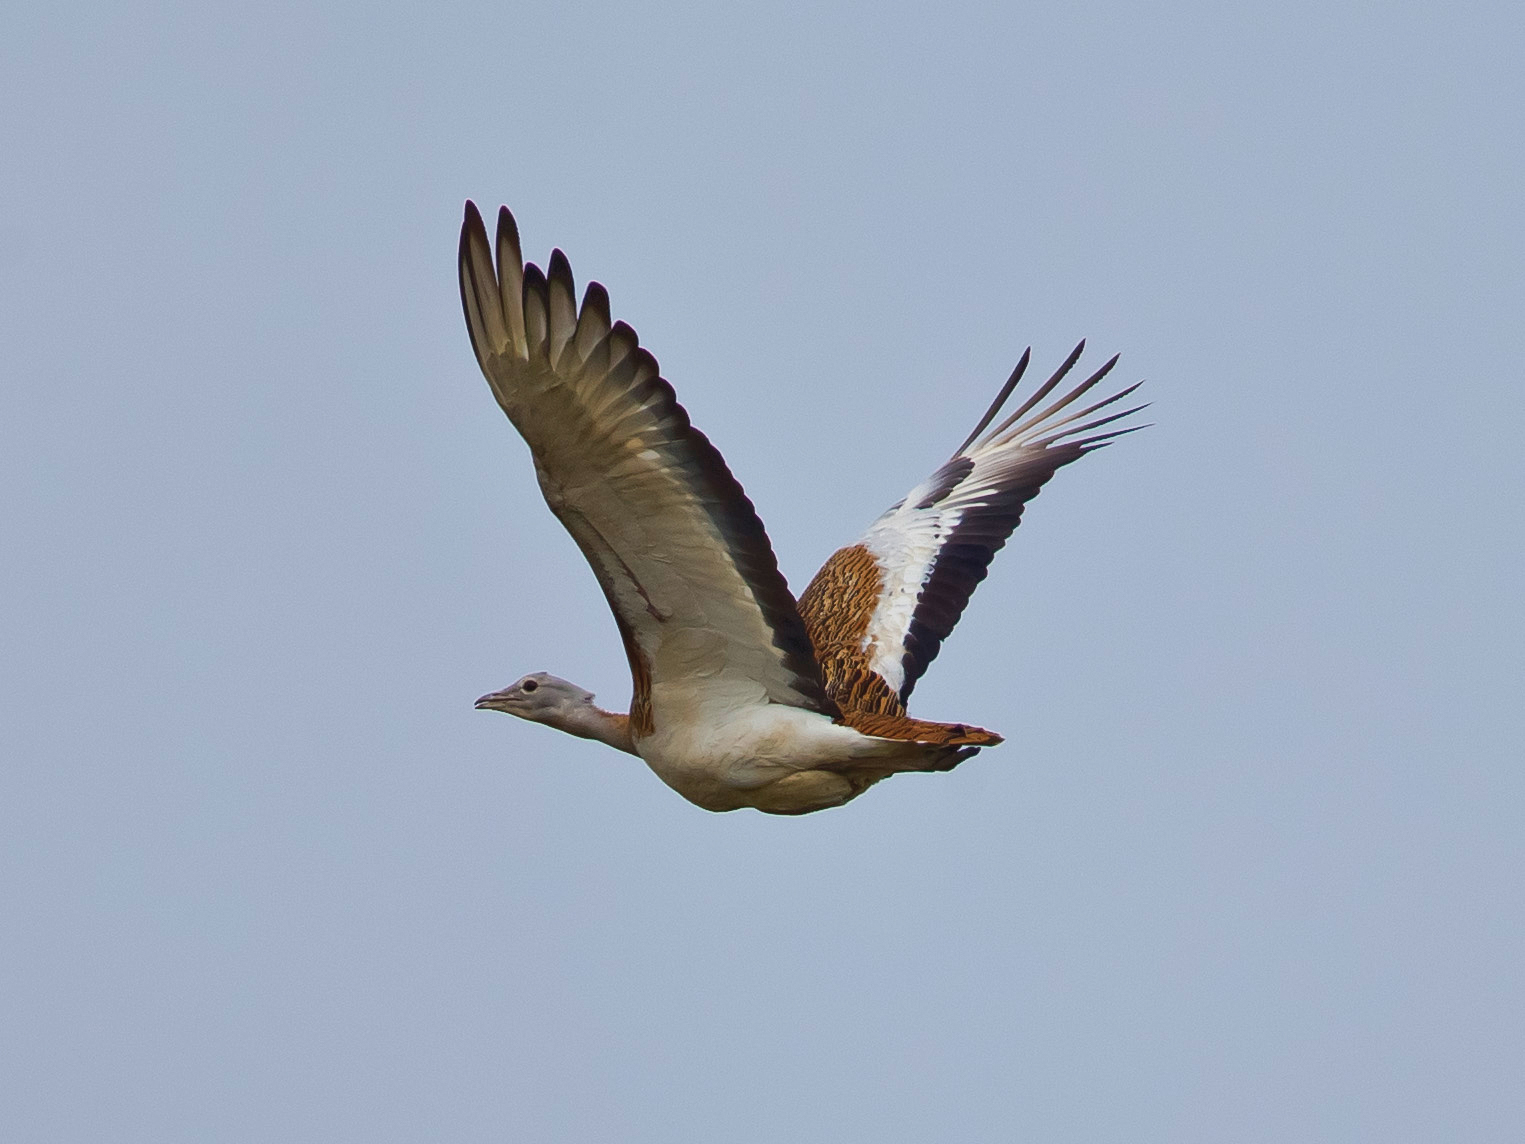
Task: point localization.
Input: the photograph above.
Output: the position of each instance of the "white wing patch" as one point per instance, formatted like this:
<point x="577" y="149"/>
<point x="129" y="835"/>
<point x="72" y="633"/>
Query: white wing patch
<point x="933" y="548"/>
<point x="905" y="541"/>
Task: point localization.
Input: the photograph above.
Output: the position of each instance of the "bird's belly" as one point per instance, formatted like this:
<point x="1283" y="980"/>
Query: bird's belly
<point x="769" y="758"/>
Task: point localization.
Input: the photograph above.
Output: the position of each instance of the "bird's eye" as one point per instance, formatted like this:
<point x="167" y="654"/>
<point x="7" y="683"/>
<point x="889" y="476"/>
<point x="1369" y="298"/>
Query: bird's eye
<point x="529" y="685"/>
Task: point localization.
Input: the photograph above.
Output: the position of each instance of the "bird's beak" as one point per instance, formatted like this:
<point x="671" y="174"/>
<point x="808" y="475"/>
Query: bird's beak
<point x="493" y="701"/>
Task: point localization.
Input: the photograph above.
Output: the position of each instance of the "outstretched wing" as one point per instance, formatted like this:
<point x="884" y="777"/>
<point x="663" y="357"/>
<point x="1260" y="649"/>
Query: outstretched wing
<point x="879" y="610"/>
<point x="675" y="543"/>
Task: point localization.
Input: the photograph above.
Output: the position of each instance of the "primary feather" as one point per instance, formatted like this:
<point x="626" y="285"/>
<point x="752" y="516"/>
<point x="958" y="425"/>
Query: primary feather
<point x="928" y="552"/>
<point x="674" y="541"/>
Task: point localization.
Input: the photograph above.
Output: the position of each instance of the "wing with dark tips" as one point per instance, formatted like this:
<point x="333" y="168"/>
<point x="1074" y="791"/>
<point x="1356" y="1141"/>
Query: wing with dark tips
<point x="675" y="543"/>
<point x="914" y="570"/>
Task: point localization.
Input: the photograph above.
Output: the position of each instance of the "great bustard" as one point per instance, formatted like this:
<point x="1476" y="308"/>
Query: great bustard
<point x="743" y="696"/>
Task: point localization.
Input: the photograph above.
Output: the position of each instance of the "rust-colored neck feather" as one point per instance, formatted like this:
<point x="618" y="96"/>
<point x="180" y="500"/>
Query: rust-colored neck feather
<point x="590" y="722"/>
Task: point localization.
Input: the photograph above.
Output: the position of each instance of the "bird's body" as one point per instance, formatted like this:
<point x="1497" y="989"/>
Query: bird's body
<point x="742" y="696"/>
<point x="775" y="758"/>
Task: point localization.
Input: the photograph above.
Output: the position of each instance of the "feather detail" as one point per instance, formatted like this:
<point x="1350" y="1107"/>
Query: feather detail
<point x="930" y="550"/>
<point x="704" y="613"/>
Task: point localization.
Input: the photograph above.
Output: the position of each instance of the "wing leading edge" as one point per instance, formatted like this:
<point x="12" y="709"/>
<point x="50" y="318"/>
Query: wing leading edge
<point x="672" y="538"/>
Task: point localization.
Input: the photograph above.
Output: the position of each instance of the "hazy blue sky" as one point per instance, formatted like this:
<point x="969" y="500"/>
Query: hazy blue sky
<point x="1249" y="867"/>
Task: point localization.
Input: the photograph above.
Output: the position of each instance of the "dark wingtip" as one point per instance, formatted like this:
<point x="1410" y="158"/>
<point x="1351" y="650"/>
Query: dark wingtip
<point x="596" y="296"/>
<point x="507" y="227"/>
<point x="1000" y="400"/>
<point x="471" y="223"/>
<point x="1102" y="440"/>
<point x="471" y="230"/>
<point x="559" y="271"/>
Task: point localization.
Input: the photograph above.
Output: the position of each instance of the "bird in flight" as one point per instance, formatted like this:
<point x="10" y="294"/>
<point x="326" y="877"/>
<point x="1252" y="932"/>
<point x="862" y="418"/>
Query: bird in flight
<point x="742" y="695"/>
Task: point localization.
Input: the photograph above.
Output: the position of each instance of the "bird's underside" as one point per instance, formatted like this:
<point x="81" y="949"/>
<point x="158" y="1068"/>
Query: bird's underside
<point x="743" y="696"/>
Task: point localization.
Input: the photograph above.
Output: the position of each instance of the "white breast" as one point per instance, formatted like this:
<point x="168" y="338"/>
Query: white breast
<point x="717" y="758"/>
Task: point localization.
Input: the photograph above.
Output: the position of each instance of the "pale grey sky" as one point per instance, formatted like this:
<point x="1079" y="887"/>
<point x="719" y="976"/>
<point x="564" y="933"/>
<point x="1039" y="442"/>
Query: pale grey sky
<point x="1249" y="866"/>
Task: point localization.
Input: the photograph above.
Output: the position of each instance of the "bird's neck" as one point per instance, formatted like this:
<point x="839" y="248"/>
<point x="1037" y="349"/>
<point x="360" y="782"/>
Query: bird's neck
<point x="590" y="722"/>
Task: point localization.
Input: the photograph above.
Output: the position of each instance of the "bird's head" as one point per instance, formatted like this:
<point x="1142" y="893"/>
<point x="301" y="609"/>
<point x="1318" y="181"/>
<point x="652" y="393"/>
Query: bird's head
<point x="540" y="698"/>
